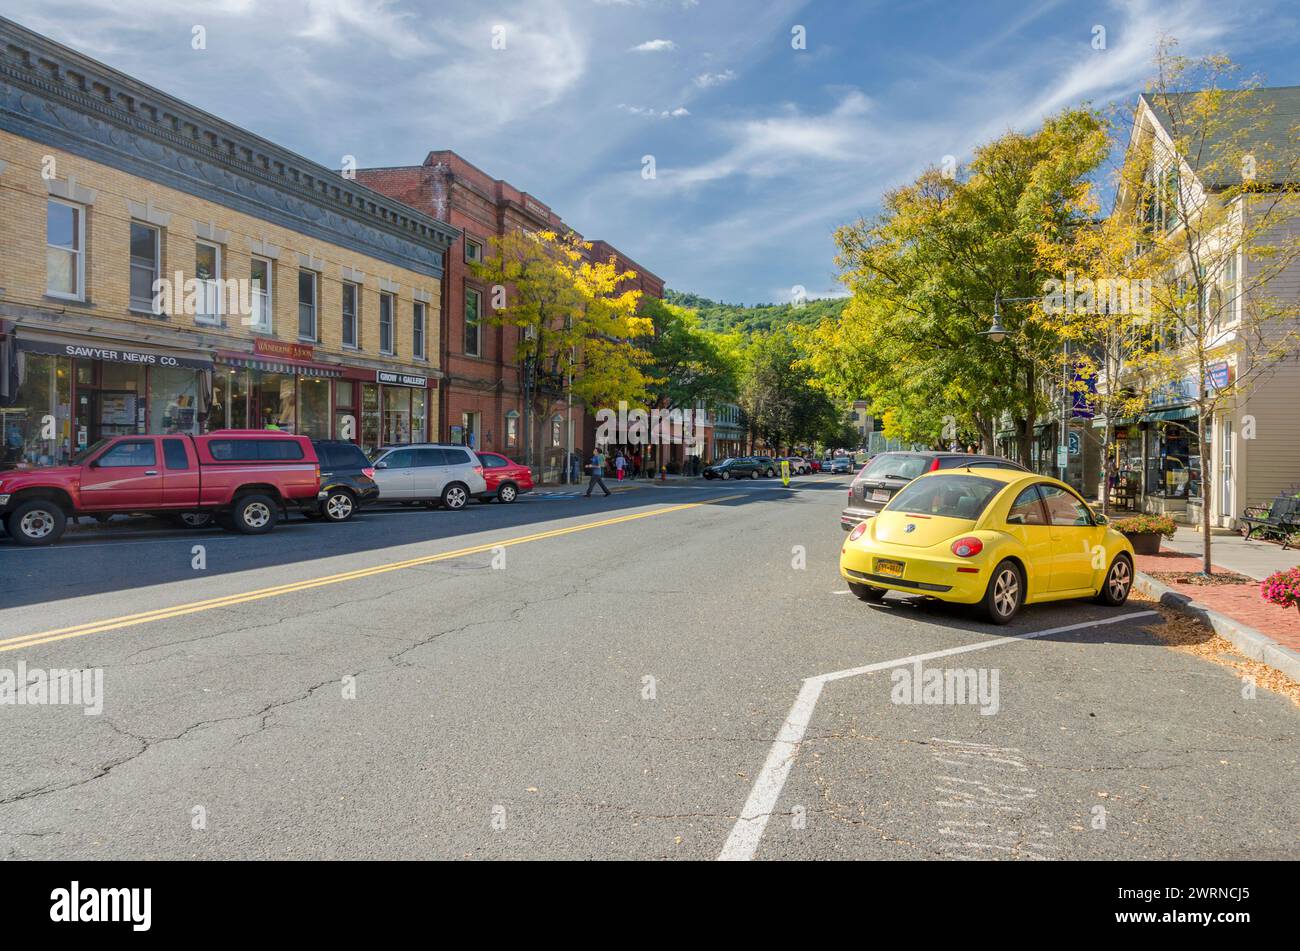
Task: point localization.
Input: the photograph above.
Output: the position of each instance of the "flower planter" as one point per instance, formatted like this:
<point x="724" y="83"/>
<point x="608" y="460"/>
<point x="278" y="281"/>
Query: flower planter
<point x="1144" y="543"/>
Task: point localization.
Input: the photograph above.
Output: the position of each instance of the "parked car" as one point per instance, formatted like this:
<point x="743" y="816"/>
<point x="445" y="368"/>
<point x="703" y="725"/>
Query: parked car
<point x="505" y="478"/>
<point x="888" y="472"/>
<point x="1000" y="538"/>
<point x="347" y="481"/>
<point x="767" y="465"/>
<point x="243" y="478"/>
<point x="814" y="464"/>
<point x="798" y="465"/>
<point x="840" y="465"/>
<point x="739" y="467"/>
<point x="432" y="473"/>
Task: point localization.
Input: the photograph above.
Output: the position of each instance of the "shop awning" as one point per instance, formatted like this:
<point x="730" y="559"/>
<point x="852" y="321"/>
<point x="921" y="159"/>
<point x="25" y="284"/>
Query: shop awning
<point x="277" y="365"/>
<point x="86" y="349"/>
<point x="1171" y="415"/>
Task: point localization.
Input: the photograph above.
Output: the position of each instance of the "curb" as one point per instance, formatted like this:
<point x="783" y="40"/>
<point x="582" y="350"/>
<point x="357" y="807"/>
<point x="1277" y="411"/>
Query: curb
<point x="1252" y="643"/>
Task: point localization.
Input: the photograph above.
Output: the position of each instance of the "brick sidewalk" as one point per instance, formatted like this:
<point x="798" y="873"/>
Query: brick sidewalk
<point x="1241" y="602"/>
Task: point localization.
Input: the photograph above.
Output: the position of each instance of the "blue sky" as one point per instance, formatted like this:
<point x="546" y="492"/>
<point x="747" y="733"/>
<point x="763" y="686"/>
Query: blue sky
<point x="760" y="149"/>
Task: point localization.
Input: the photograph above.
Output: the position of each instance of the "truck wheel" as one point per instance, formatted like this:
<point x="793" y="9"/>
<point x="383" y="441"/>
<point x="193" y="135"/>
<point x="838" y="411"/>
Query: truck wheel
<point x="254" y="514"/>
<point x="194" y="519"/>
<point x="37" y="522"/>
<point x="455" y="496"/>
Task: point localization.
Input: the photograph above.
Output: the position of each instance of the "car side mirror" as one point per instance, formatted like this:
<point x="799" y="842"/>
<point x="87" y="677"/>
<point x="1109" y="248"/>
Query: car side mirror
<point x="1102" y="520"/>
<point x="381" y="465"/>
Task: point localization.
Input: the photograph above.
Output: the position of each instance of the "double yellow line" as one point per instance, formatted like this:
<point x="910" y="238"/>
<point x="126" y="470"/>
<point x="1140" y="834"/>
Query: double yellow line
<point x="194" y="607"/>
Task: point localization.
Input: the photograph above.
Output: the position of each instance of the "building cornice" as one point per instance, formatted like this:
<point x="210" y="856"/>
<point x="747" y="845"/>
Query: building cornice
<point x="54" y="95"/>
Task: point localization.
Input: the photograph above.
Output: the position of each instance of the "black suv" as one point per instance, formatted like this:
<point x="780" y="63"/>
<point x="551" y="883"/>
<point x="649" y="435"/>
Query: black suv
<point x="888" y="472"/>
<point x="346" y="481"/>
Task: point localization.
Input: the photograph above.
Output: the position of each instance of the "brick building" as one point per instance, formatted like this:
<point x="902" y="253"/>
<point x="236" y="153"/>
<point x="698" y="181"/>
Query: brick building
<point x="299" y="299"/>
<point x="482" y="394"/>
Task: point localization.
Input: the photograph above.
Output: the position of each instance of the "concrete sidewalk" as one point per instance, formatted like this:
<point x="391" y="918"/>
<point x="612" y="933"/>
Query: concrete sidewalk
<point x="1255" y="558"/>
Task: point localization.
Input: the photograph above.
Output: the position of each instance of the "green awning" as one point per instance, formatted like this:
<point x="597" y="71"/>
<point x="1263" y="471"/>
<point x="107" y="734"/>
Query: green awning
<point x="1171" y="415"/>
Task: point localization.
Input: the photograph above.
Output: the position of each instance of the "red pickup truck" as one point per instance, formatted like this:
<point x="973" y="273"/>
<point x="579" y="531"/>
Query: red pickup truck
<point x="243" y="478"/>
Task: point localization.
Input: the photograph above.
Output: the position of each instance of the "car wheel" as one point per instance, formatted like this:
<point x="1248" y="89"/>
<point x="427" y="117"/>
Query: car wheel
<point x="867" y="593"/>
<point x="1005" y="593"/>
<point x="726" y="476"/>
<point x="339" y="506"/>
<point x="1119" y="582"/>
<point x="38" y="522"/>
<point x="254" y="514"/>
<point x="455" y="496"/>
<point x="771" y="473"/>
<point x="753" y="473"/>
<point x="508" y="492"/>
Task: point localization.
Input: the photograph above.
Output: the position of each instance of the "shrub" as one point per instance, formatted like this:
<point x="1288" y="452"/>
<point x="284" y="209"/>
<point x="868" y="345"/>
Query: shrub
<point x="1145" y="524"/>
<point x="1282" y="587"/>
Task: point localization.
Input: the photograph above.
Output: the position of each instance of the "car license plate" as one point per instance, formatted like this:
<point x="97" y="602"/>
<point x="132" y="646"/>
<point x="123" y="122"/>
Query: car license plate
<point x="890" y="569"/>
<point x="880" y="495"/>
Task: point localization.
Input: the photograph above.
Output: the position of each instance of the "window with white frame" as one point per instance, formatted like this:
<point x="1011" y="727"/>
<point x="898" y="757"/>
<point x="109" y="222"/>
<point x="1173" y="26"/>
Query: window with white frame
<point x="307" y="287"/>
<point x="65" y="249"/>
<point x="473" y="305"/>
<point x="207" y="274"/>
<point x="145" y="267"/>
<point x="386" y="323"/>
<point x="260" y="294"/>
<point x="473" y="251"/>
<point x="417" y="331"/>
<point x="351" y="305"/>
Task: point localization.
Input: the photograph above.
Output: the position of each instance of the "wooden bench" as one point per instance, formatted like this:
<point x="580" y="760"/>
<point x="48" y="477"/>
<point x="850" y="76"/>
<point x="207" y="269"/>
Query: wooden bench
<point x="1280" y="519"/>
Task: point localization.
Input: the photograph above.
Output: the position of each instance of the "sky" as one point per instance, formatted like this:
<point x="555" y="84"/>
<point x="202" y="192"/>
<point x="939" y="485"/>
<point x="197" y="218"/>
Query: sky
<point x="718" y="143"/>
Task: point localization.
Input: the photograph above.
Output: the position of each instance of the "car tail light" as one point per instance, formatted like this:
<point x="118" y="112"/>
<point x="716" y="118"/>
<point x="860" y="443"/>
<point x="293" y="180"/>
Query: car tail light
<point x="967" y="547"/>
<point x="478" y="470"/>
<point x="857" y="531"/>
<point x="318" y="473"/>
<point x="368" y="472"/>
<point x="934" y="465"/>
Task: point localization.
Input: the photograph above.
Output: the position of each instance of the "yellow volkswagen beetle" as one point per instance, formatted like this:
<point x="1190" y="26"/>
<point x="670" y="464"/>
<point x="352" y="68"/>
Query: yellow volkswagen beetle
<point x="994" y="537"/>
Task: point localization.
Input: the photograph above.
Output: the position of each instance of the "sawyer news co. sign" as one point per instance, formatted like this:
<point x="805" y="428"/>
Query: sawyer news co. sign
<point x="401" y="379"/>
<point x="81" y="351"/>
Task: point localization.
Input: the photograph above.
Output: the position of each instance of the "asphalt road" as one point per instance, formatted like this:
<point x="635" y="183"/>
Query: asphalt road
<point x="602" y="678"/>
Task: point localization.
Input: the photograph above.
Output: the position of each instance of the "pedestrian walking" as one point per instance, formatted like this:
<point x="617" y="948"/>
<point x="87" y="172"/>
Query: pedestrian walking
<point x="597" y="473"/>
<point x="620" y="463"/>
<point x="636" y="464"/>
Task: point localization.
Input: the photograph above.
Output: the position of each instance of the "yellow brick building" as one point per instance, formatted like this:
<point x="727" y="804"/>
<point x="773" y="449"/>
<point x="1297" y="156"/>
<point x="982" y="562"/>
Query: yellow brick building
<point x="162" y="270"/>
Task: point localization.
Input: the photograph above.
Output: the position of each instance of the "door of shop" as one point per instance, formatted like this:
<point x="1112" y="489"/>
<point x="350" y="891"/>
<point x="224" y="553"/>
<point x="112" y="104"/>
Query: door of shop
<point x="110" y="401"/>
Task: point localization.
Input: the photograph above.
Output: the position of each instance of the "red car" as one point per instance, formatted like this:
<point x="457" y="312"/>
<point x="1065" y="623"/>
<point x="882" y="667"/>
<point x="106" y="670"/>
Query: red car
<point x="505" y="478"/>
<point x="814" y="465"/>
<point x="243" y="478"/>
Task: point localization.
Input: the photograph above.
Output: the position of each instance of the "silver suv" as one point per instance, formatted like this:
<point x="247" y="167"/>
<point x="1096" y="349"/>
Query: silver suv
<point x="433" y="473"/>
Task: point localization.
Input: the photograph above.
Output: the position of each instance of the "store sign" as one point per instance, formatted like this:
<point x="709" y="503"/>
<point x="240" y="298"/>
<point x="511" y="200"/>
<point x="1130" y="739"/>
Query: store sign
<point x="401" y="379"/>
<point x="1219" y="374"/>
<point x="144" y="358"/>
<point x="267" y="347"/>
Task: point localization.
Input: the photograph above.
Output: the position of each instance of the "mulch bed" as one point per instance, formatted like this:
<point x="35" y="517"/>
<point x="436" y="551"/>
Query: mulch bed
<point x="1196" y="578"/>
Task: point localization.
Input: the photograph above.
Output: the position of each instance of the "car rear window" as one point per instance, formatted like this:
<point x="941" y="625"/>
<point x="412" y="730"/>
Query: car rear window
<point x="889" y="465"/>
<point x="952" y="496"/>
<point x="255" y="450"/>
<point x="341" y="456"/>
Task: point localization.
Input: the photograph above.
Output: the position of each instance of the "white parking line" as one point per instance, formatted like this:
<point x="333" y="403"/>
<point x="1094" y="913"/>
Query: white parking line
<point x="746" y="834"/>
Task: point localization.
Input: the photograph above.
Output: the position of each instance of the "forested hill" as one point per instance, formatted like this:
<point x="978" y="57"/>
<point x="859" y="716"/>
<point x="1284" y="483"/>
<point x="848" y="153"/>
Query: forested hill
<point x="756" y="317"/>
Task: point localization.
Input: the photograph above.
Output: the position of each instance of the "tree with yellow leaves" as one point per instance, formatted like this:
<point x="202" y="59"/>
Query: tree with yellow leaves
<point x="577" y="320"/>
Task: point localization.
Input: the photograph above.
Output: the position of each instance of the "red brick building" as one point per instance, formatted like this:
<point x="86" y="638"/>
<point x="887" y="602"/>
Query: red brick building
<point x="482" y="400"/>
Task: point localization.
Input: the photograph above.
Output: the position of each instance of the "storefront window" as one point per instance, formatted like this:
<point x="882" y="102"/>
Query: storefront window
<point x="345" y="413"/>
<point x="173" y="400"/>
<point x="229" y="399"/>
<point x="1173" y="461"/>
<point x="419" y="415"/>
<point x="37" y="429"/>
<point x="370" y="417"/>
<point x="273" y="394"/>
<point x="397" y="415"/>
<point x="314" y="407"/>
<point x="117" y="406"/>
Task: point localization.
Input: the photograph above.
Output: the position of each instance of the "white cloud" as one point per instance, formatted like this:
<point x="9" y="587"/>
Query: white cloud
<point x="654" y="46"/>
<point x="705" y="80"/>
<point x="678" y="113"/>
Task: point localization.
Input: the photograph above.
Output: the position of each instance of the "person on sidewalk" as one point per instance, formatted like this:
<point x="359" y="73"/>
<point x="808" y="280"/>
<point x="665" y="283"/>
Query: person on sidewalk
<point x="620" y="463"/>
<point x="597" y="474"/>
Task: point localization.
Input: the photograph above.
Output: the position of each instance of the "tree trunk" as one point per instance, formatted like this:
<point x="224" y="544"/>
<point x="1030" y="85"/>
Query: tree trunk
<point x="1108" y="466"/>
<point x="1206" y="480"/>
